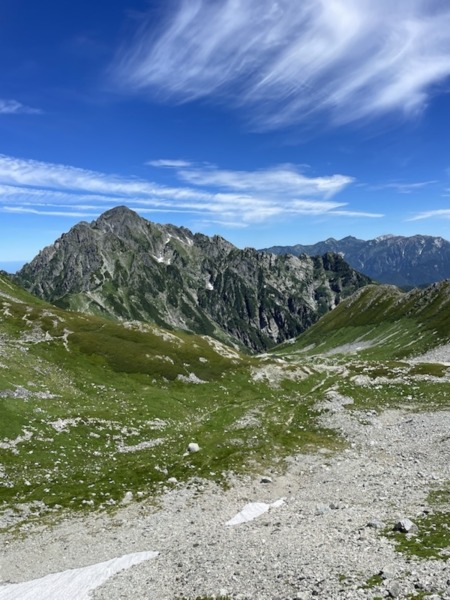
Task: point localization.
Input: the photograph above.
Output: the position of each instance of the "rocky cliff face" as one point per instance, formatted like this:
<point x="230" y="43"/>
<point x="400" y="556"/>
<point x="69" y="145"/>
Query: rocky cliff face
<point x="124" y="266"/>
<point x="403" y="261"/>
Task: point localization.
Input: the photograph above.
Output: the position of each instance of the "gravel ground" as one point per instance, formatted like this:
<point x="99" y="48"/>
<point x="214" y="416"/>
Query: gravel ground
<point x="441" y="354"/>
<point x="316" y="545"/>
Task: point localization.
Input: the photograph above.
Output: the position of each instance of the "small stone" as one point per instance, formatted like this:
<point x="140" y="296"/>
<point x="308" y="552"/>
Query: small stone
<point x="394" y="589"/>
<point x="172" y="480"/>
<point x="376" y="524"/>
<point x="322" y="509"/>
<point x="127" y="498"/>
<point x="193" y="447"/>
<point x="405" y="526"/>
<point x="388" y="572"/>
<point x="266" y="479"/>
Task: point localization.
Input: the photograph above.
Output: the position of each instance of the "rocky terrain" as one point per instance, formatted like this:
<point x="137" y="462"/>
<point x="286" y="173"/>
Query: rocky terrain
<point x="330" y="538"/>
<point x="404" y="261"/>
<point x="124" y="266"/>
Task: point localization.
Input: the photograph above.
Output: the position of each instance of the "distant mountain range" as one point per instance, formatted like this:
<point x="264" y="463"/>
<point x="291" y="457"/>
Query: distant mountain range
<point x="126" y="267"/>
<point x="404" y="261"/>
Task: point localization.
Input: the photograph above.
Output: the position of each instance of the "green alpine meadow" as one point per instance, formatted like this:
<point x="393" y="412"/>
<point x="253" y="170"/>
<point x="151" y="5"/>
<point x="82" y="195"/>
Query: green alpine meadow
<point x="93" y="409"/>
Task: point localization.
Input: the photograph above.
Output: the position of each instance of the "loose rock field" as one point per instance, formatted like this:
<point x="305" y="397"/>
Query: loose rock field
<point x="327" y="540"/>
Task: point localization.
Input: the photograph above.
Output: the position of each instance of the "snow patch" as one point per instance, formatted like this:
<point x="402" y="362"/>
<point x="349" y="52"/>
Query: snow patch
<point x="162" y="259"/>
<point x="74" y="584"/>
<point x="252" y="511"/>
<point x="382" y="238"/>
<point x="186" y="240"/>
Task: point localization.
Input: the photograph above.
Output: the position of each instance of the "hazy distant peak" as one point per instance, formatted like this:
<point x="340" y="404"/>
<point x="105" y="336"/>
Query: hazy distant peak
<point x="405" y="261"/>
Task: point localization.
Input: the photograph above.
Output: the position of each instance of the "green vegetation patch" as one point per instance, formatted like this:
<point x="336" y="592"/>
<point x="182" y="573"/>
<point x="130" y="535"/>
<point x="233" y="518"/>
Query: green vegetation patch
<point x="433" y="536"/>
<point x="432" y="539"/>
<point x="373" y="581"/>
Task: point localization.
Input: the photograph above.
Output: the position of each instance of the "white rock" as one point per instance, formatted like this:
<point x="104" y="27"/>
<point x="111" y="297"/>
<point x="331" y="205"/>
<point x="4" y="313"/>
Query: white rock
<point x="405" y="526"/>
<point x="127" y="498"/>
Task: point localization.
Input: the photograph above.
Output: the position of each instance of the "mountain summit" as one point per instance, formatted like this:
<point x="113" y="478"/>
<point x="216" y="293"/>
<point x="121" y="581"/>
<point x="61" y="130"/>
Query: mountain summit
<point x="127" y="267"/>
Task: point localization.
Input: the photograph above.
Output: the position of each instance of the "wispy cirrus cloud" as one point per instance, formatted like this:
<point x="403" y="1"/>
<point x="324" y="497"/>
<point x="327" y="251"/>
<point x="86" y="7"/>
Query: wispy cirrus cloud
<point x="40" y="177"/>
<point x="287" y="62"/>
<point x="405" y="187"/>
<point x="12" y="107"/>
<point x="47" y="213"/>
<point x="283" y="178"/>
<point x="231" y="198"/>
<point x="443" y="213"/>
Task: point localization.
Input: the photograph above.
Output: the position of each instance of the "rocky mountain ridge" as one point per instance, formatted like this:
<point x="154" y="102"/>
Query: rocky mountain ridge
<point x="124" y="266"/>
<point x="404" y="261"/>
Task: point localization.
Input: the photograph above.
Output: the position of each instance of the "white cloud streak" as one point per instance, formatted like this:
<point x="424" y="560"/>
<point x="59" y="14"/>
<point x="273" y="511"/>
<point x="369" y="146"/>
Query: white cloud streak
<point x="405" y="188"/>
<point x="289" y="61"/>
<point x="443" y="213"/>
<point x="355" y="213"/>
<point x="283" y="177"/>
<point x="240" y="198"/>
<point x="169" y="163"/>
<point x="47" y="213"/>
<point x="12" y="107"/>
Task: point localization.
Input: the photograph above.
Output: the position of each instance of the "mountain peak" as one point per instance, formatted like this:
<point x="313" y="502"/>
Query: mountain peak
<point x="118" y="213"/>
<point x="350" y="238"/>
<point x="124" y="266"/>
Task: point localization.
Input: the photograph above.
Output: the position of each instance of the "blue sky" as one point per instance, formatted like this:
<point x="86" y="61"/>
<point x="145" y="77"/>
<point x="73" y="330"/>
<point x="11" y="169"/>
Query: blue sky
<point x="264" y="121"/>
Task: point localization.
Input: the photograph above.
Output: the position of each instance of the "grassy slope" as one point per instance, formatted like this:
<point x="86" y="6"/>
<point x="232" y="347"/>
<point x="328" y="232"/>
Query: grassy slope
<point x="380" y="323"/>
<point x="368" y="340"/>
<point x="76" y="391"/>
<point x="110" y="387"/>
